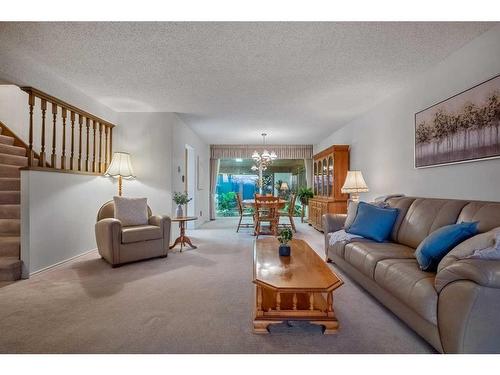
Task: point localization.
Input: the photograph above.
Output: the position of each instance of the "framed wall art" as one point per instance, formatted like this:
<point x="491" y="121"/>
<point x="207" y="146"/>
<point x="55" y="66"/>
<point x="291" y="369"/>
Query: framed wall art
<point x="462" y="128"/>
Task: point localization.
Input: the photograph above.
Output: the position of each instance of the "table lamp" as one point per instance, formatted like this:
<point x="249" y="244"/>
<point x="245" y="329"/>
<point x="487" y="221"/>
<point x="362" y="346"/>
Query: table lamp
<point x="120" y="167"/>
<point x="284" y="187"/>
<point x="354" y="184"/>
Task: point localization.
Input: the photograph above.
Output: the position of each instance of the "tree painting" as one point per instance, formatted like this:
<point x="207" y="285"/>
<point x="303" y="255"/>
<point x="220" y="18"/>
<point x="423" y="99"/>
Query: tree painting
<point x="464" y="127"/>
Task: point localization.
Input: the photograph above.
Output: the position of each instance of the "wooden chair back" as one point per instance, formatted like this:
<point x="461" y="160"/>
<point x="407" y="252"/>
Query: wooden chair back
<point x="291" y="207"/>
<point x="240" y="203"/>
<point x="267" y="205"/>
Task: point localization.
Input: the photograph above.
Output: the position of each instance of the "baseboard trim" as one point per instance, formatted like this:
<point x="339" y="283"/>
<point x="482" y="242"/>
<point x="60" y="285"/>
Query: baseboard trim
<point x="48" y="268"/>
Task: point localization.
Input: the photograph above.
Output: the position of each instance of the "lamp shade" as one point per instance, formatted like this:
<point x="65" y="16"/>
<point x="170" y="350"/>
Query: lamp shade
<point x="354" y="183"/>
<point x="284" y="186"/>
<point x="120" y="166"/>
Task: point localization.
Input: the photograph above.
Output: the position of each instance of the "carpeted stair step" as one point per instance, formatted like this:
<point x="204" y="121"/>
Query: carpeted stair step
<point x="9" y="171"/>
<point x="10" y="211"/>
<point x="21" y="161"/>
<point x="6" y="140"/>
<point x="12" y="150"/>
<point x="10" y="246"/>
<point x="10" y="197"/>
<point x="9" y="183"/>
<point x="10" y="268"/>
<point x="10" y="227"/>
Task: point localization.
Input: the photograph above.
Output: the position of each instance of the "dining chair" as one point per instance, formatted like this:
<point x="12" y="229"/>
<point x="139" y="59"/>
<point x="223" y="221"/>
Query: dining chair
<point x="243" y="213"/>
<point x="266" y="211"/>
<point x="289" y="212"/>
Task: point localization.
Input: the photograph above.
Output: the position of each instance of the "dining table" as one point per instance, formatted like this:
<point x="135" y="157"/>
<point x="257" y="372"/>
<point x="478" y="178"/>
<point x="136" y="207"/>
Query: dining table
<point x="250" y="203"/>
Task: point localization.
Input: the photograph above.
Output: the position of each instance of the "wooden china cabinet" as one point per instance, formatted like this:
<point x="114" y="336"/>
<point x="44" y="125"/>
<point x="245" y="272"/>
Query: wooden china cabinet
<point x="329" y="172"/>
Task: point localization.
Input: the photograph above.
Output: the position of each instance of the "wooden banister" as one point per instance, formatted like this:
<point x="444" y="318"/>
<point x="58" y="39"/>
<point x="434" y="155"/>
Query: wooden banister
<point x="95" y="160"/>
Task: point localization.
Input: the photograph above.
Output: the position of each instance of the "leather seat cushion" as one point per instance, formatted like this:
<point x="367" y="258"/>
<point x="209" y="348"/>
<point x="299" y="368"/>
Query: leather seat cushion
<point x="338" y="248"/>
<point x="365" y="255"/>
<point x="412" y="286"/>
<point x="139" y="233"/>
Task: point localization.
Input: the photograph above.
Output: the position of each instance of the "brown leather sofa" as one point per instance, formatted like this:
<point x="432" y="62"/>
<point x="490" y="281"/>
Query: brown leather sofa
<point x="457" y="309"/>
<point x="119" y="244"/>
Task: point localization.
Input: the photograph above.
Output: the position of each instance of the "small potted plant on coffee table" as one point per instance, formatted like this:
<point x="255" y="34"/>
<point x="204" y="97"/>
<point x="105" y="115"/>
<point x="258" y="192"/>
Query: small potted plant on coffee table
<point x="285" y="236"/>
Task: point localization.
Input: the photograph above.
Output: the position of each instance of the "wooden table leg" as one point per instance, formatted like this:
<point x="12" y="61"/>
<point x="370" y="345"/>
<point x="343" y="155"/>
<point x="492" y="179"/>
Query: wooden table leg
<point x="330" y="327"/>
<point x="262" y="326"/>
<point x="183" y="239"/>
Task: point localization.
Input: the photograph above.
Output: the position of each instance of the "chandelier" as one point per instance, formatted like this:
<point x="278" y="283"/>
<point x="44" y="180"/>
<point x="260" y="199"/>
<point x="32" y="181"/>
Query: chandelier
<point x="262" y="161"/>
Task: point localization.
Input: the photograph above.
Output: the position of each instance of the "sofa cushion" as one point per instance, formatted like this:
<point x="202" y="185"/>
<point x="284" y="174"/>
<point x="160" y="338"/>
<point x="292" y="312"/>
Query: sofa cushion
<point x="373" y="222"/>
<point x="365" y="255"/>
<point x="424" y="216"/>
<point x="439" y="243"/>
<point x="131" y="211"/>
<point x="140" y="233"/>
<point x="412" y="286"/>
<point x="338" y="247"/>
<point x="352" y="210"/>
<point x="402" y="204"/>
<point x="467" y="248"/>
<point x="487" y="213"/>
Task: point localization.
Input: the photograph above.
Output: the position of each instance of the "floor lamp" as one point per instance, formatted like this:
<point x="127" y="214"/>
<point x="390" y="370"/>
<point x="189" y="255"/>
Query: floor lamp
<point x="120" y="167"/>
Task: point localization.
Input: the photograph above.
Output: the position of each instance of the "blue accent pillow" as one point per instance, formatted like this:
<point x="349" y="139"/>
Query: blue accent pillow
<point x="373" y="222"/>
<point x="439" y="243"/>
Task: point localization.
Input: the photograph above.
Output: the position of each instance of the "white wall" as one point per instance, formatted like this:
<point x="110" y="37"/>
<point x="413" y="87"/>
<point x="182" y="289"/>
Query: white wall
<point x="148" y="139"/>
<point x="382" y="140"/>
<point x="58" y="213"/>
<point x="182" y="136"/>
<point x="14" y="110"/>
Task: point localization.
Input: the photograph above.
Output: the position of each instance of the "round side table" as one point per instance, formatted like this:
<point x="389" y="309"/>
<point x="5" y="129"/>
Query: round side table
<point x="183" y="240"/>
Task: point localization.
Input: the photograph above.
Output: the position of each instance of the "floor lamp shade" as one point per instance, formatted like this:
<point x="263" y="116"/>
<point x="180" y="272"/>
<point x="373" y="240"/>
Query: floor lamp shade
<point x="354" y="184"/>
<point x="120" y="167"/>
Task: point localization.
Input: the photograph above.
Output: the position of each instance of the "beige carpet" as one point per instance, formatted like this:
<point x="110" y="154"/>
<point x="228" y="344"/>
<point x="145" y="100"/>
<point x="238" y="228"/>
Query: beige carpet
<point x="198" y="301"/>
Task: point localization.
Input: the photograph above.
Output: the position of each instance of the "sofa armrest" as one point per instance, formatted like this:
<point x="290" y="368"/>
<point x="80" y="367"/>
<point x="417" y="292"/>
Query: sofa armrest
<point x="108" y="233"/>
<point x="482" y="272"/>
<point x="333" y="222"/>
<point x="164" y="222"/>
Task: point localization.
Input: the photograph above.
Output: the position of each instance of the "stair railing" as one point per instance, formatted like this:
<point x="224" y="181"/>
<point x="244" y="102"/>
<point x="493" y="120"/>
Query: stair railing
<point x="93" y="131"/>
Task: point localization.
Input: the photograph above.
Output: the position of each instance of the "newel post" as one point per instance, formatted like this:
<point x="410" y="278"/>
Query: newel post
<point x="31" y="102"/>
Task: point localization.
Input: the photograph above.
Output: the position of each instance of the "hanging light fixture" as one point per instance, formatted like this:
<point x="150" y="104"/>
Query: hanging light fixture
<point x="266" y="157"/>
<point x="262" y="161"/>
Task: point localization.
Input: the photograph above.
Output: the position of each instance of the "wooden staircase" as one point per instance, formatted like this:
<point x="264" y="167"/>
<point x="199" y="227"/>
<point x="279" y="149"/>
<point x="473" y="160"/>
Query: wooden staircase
<point x="12" y="157"/>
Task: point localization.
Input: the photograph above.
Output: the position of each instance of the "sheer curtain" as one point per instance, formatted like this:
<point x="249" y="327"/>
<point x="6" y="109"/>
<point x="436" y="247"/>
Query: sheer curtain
<point x="308" y="163"/>
<point x="214" y="172"/>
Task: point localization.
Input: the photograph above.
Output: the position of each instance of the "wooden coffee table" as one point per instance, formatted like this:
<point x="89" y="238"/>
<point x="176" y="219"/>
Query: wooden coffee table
<point x="298" y="287"/>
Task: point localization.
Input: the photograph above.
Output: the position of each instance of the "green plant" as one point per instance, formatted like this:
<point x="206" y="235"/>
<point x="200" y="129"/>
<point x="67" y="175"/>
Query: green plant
<point x="181" y="198"/>
<point x="227" y="201"/>
<point x="285" y="236"/>
<point x="304" y="194"/>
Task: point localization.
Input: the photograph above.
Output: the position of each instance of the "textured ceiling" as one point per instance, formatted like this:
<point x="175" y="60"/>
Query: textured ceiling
<point x="231" y="81"/>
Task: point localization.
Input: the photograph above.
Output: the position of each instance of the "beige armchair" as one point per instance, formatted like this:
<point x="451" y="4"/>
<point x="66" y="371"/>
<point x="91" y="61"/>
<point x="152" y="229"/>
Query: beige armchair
<point x="119" y="244"/>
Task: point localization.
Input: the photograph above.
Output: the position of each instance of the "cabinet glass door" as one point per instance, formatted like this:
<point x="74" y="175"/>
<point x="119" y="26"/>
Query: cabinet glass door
<point x="324" y="179"/>
<point x="320" y="179"/>
<point x="330" y="176"/>
<point x="315" y="178"/>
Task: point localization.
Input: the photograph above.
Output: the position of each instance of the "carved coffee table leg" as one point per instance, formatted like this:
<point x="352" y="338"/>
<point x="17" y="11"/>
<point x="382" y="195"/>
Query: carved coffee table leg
<point x="329" y="326"/>
<point x="262" y="326"/>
